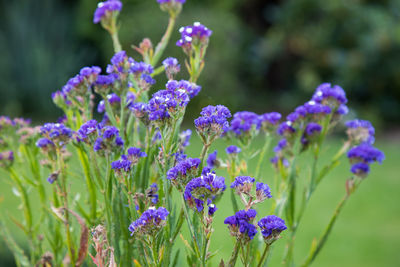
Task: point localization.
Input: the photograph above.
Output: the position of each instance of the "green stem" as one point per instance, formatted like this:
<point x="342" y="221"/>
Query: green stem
<point x="63" y="182"/>
<point x="235" y="253"/>
<point x="164" y="41"/>
<point x="89" y="182"/>
<point x="314" y="252"/>
<point x="264" y="255"/>
<point x="114" y="36"/>
<point x="203" y="154"/>
<point x="190" y="226"/>
<point x="262" y="154"/>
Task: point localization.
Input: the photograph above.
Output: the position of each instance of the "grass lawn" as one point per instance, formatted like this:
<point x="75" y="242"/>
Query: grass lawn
<point x="366" y="234"/>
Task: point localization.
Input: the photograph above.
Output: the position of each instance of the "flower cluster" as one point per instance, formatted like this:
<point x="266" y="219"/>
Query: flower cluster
<point x="123" y="165"/>
<point x="241" y="224"/>
<point x="77" y="90"/>
<point x="204" y="188"/>
<point x="151" y="221"/>
<point x="191" y="89"/>
<point x="362" y="156"/>
<point x="212" y="121"/>
<point x="232" y="150"/>
<point x="172" y="67"/>
<point x="271" y="227"/>
<point x="193" y="37"/>
<point x="360" y="131"/>
<point x="174" y="7"/>
<point x="262" y="192"/>
<point x="243" y="184"/>
<point x="106" y="11"/>
<point x="184" y="171"/>
<point x="88" y="132"/>
<point x="108" y="140"/>
<point x="55" y="134"/>
<point x="270" y="120"/>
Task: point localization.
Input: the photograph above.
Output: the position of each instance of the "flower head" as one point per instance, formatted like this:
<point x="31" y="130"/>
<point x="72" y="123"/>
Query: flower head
<point x="244" y="122"/>
<point x="232" y="150"/>
<point x="150" y="222"/>
<point x="270" y="120"/>
<point x="360" y="131"/>
<point x="271" y="227"/>
<point x="196" y="35"/>
<point x="243" y="184"/>
<point x="184" y="171"/>
<point x="134" y="153"/>
<point x="167" y="104"/>
<point x="362" y="156"/>
<point x="108" y="140"/>
<point x="241" y="224"/>
<point x="106" y="10"/>
<point x="200" y="189"/>
<point x="58" y="133"/>
<point x="327" y="94"/>
<point x="87" y="132"/>
<point x="171" y="66"/>
<point x="262" y="191"/>
<point x="190" y="88"/>
<point x="212" y="121"/>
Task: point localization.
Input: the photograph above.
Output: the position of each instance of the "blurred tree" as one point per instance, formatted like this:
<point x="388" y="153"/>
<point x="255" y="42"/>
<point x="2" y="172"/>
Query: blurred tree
<point x="261" y="55"/>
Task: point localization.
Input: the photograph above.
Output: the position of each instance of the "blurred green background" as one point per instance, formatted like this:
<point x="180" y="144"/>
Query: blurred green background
<point x="263" y="56"/>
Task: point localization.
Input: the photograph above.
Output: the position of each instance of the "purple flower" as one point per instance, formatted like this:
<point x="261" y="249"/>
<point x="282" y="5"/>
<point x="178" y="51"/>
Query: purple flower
<point x="212" y="121"/>
<point x="44" y="143"/>
<point x="262" y="191"/>
<point x="241" y="224"/>
<point x="360" y="169"/>
<point x="113" y="99"/>
<point x="198" y="190"/>
<point x="282" y="144"/>
<point x="106" y="9"/>
<point x="271" y="227"/>
<point x="193" y="35"/>
<point x="150" y="222"/>
<point x="286" y="129"/>
<point x="365" y="153"/>
<point x="211" y="209"/>
<point x="104" y="83"/>
<point x="87" y="131"/>
<point x="185" y="137"/>
<point x="58" y="133"/>
<point x="360" y="131"/>
<point x="151" y="193"/>
<point x="311" y="131"/>
<point x="60" y="99"/>
<point x="108" y="140"/>
<point x="191" y="89"/>
<point x="122" y="166"/>
<point x="328" y="95"/>
<point x="243" y="122"/>
<point x="166" y="104"/>
<point x="212" y="159"/>
<point x="171" y="66"/>
<point x="134" y="153"/>
<point x="184" y="171"/>
<point x="243" y="184"/>
<point x="232" y="150"/>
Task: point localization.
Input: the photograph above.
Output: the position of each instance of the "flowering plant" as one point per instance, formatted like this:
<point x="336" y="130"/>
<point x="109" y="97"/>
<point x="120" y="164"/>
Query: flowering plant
<point x="135" y="168"/>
